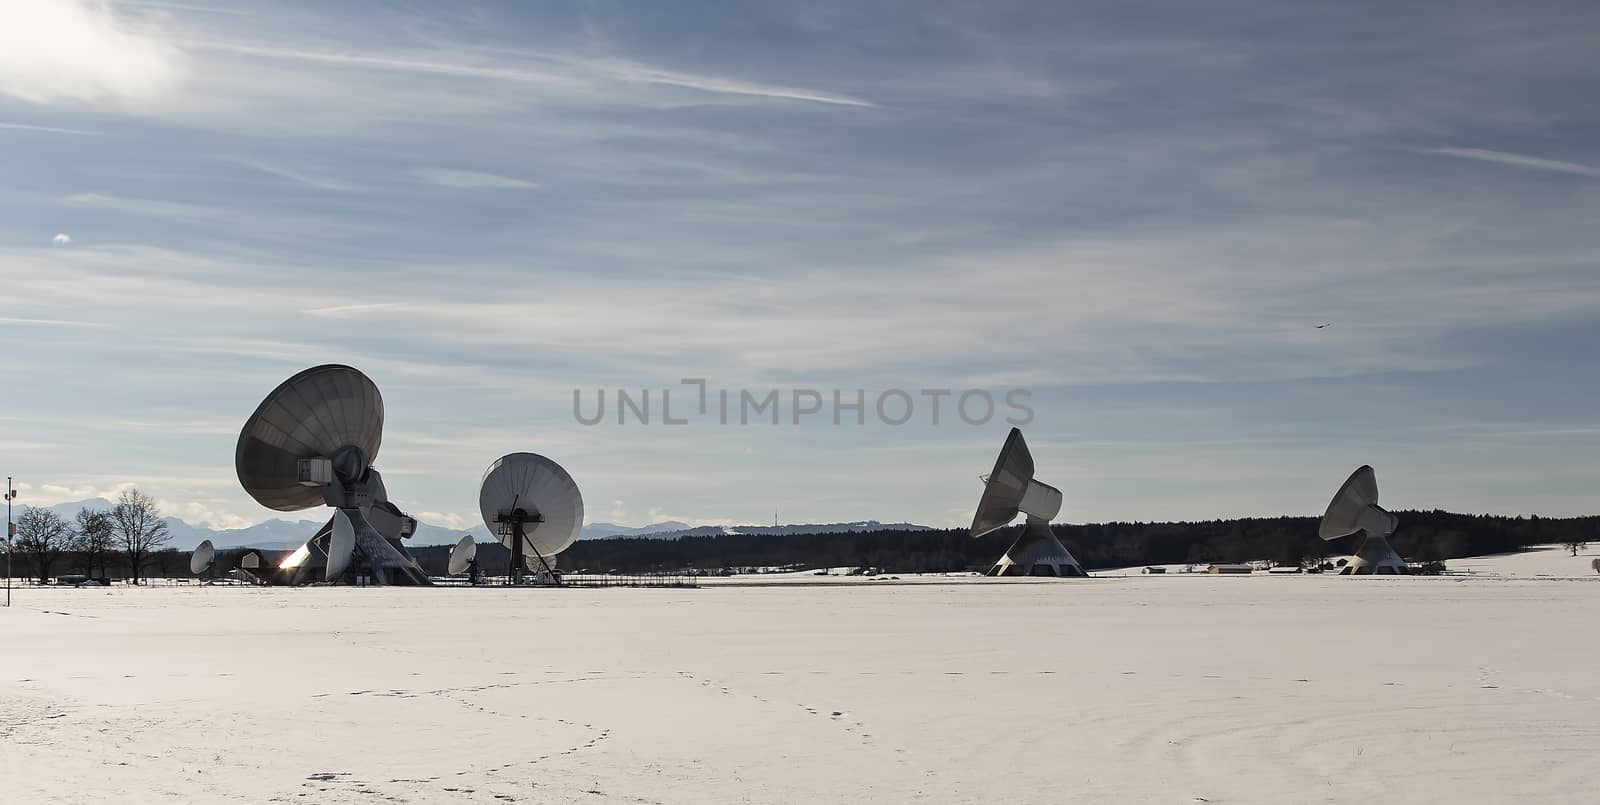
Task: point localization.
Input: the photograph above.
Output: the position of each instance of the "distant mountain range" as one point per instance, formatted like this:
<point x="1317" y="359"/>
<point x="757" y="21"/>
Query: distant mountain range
<point x="675" y="530"/>
<point x="276" y="534"/>
<point x="603" y="530"/>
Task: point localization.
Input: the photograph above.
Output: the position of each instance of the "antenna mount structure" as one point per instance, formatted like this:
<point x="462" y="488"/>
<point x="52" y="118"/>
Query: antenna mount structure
<point x="532" y="506"/>
<point x="512" y="527"/>
<point x="312" y="442"/>
<point x="1010" y="489"/>
<point x="1355" y="510"/>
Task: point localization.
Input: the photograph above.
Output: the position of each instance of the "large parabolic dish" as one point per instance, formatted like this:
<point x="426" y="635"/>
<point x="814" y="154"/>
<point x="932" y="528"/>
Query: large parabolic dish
<point x="314" y="414"/>
<point x="1005" y="486"/>
<point x="312" y="442"/>
<point x="547" y="496"/>
<point x="1010" y="489"/>
<point x="1343" y="515"/>
<point x="1355" y="510"/>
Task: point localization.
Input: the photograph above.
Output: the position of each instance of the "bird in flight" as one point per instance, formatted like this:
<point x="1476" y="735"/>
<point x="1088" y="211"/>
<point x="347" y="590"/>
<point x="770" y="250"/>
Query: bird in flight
<point x="1320" y="326"/>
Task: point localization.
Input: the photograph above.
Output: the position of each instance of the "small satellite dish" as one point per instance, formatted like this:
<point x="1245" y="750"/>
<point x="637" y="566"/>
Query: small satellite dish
<point x="1009" y="490"/>
<point x="532" y="506"/>
<point x="201" y="560"/>
<point x="462" y="555"/>
<point x="312" y="442"/>
<point x="341" y="546"/>
<point x="1354" y="510"/>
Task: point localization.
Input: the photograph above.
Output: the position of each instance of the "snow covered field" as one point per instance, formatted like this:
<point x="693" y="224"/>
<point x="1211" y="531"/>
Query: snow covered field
<point x="1161" y="689"/>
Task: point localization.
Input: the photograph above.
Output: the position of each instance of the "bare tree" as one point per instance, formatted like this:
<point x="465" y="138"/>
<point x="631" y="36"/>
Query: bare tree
<point x="43" y="536"/>
<point x="137" y="524"/>
<point x="95" y="539"/>
<point x="1316" y="552"/>
<point x="1576" y="545"/>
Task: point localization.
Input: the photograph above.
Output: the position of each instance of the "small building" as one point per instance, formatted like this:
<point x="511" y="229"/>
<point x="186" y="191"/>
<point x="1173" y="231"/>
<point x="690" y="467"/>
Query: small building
<point x="1229" y="570"/>
<point x="1154" y="569"/>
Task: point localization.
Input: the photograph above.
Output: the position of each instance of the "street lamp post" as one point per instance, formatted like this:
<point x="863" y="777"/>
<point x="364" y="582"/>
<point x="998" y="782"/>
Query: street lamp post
<point x="11" y="531"/>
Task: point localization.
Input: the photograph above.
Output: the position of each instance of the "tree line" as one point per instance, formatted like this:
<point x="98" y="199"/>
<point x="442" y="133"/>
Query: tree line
<point x="1424" y="536"/>
<point x="131" y="540"/>
<point x="126" y="538"/>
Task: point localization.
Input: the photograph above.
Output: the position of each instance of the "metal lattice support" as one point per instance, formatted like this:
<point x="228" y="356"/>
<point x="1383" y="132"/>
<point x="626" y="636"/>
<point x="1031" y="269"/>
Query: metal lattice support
<point x="509" y="527"/>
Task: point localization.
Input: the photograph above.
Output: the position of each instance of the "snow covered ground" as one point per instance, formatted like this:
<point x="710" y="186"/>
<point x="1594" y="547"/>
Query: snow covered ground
<point x="1546" y="561"/>
<point x="1160" y="689"/>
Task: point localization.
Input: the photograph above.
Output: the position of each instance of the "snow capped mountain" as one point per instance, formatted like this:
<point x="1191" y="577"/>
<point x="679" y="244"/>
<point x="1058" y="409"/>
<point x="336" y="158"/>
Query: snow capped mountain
<point x="279" y="534"/>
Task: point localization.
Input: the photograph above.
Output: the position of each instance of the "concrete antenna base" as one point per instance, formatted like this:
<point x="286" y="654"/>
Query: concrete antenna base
<point x="1037" y="552"/>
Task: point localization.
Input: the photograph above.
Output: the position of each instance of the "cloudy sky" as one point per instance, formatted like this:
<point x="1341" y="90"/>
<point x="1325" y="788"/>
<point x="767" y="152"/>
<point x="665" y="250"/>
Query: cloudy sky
<point x="1136" y="211"/>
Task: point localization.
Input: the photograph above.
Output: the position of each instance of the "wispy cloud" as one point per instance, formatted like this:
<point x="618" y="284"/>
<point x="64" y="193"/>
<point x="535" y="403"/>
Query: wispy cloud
<point x="236" y="222"/>
<point x="548" y="70"/>
<point x="161" y="5"/>
<point x="156" y="208"/>
<point x="356" y="309"/>
<point x="1517" y="160"/>
<point x="393" y="63"/>
<point x="25" y="322"/>
<point x="472" y="180"/>
<point x="298" y="177"/>
<point x="732" y="87"/>
<point x="48" y="129"/>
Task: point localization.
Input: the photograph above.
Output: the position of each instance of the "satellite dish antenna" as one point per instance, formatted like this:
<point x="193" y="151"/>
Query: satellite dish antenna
<point x="341" y="546"/>
<point x="251" y="567"/>
<point x="311" y="443"/>
<point x="1353" y="510"/>
<point x="463" y="555"/>
<point x="203" y="557"/>
<point x="1010" y="490"/>
<point x="532" y="506"/>
<point x="545" y="572"/>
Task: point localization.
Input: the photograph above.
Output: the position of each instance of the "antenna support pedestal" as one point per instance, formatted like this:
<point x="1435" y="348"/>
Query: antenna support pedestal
<point x="510" y="525"/>
<point x="1037" y="552"/>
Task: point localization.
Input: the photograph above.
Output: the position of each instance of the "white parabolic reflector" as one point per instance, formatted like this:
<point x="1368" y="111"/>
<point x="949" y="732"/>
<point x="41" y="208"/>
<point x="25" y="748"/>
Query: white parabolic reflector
<point x="543" y="490"/>
<point x="1355" y="508"/>
<point x="316" y="414"/>
<point x="462" y="554"/>
<point x="200" y="561"/>
<point x="1009" y="489"/>
<point x="341" y="544"/>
